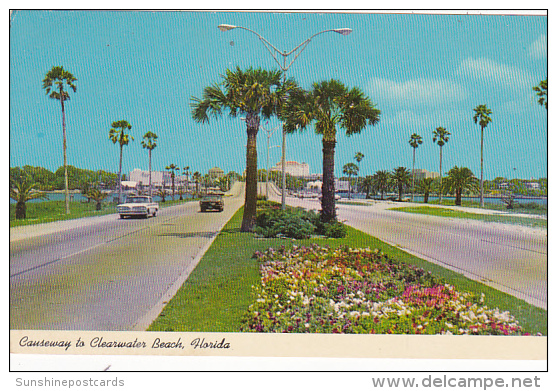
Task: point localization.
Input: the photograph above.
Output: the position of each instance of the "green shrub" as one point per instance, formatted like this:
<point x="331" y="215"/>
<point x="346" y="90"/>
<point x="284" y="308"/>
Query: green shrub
<point x="334" y="229"/>
<point x="261" y="197"/>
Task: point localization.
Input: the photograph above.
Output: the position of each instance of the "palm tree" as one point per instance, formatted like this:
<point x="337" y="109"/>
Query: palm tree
<point x="441" y="137"/>
<point x="197" y="178"/>
<point x="117" y="134"/>
<point x="415" y="141"/>
<point x="541" y="92"/>
<point x="350" y="169"/>
<point x="426" y="186"/>
<point x="97" y="196"/>
<point x="149" y="142"/>
<point x="53" y="83"/>
<point x="381" y="181"/>
<point x="460" y="179"/>
<point x="401" y="179"/>
<point x="483" y="116"/>
<point x="330" y="105"/>
<point x="172" y="168"/>
<point x="358" y="157"/>
<point x="253" y="94"/>
<point x="367" y="186"/>
<point x="22" y="189"/>
<point x="162" y="194"/>
<point x="186" y="173"/>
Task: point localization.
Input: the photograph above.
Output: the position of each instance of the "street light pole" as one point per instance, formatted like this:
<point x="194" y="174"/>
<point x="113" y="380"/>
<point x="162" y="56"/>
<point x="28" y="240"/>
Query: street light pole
<point x="276" y="52"/>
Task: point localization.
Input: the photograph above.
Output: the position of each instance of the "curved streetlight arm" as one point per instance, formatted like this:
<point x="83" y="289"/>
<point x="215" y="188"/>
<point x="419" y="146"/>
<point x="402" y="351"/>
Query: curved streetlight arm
<point x="274" y="51"/>
<point x="268" y="45"/>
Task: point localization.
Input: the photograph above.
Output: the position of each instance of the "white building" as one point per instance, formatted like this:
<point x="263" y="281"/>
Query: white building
<point x="293" y="168"/>
<point x="158" y="178"/>
<point x="423" y="174"/>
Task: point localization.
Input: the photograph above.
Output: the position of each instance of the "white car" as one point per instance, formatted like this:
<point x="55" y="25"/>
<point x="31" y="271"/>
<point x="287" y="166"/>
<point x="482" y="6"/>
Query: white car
<point x="138" y="206"/>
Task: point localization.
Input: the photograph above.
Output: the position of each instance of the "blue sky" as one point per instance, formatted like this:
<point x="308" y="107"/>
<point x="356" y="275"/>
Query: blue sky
<point x="422" y="71"/>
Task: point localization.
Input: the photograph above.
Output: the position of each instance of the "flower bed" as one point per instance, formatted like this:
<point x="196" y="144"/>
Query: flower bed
<point x="321" y="290"/>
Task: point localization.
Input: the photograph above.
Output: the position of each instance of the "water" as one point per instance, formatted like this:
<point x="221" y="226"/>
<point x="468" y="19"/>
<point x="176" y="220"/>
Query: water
<point x="432" y="198"/>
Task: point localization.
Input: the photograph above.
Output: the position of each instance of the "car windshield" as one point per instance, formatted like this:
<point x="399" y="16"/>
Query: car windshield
<point x="212" y="197"/>
<point x="138" y="200"/>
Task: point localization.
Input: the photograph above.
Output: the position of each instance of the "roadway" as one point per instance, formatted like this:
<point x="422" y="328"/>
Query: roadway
<point x="106" y="273"/>
<point x="510" y="258"/>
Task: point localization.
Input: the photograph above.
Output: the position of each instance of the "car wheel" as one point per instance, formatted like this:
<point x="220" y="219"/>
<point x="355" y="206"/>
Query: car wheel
<point x="122" y="217"/>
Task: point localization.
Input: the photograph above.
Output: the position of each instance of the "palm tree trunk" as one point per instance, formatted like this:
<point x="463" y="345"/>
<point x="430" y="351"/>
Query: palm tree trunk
<point x="440" y="175"/>
<point x="250" y="202"/>
<point x="66" y="191"/>
<point x="120" y="175"/>
<point x="172" y="177"/>
<point x="20" y="210"/>
<point x="413" y="173"/>
<point x="150" y="190"/>
<point x="458" y="198"/>
<point x="482" y="170"/>
<point x="426" y="197"/>
<point x="328" y="189"/>
<point x="349" y="186"/>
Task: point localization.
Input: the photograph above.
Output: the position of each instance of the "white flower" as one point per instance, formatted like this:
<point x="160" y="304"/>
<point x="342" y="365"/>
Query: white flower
<point x="307" y="325"/>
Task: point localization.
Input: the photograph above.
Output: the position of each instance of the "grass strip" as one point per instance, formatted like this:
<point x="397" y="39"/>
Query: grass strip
<point x="488" y="218"/>
<point x="218" y="292"/>
<point x="50" y="211"/>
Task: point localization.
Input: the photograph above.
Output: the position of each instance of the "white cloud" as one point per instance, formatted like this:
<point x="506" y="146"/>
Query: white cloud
<point x="538" y="48"/>
<point x="418" y="91"/>
<point x="491" y="71"/>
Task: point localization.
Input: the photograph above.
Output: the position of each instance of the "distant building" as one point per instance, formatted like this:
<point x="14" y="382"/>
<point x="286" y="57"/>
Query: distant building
<point x="424" y="174"/>
<point x="158" y="178"/>
<point x="341" y="186"/>
<point x="216" y="172"/>
<point x="293" y="168"/>
<point x="532" y="185"/>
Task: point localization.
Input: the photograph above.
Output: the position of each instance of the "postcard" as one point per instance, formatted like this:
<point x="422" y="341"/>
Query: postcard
<point x="279" y="184"/>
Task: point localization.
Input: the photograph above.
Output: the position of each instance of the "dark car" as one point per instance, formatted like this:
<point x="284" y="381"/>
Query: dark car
<point x="212" y="201"/>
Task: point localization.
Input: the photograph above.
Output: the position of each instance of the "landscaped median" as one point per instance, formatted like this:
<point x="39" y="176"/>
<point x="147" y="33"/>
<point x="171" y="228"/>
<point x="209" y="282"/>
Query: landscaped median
<point x="488" y="218"/>
<point x="356" y="284"/>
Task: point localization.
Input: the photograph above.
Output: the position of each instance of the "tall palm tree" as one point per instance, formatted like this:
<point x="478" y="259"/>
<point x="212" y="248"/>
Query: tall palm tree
<point x="253" y="94"/>
<point x="173" y="168"/>
<point x="117" y="134"/>
<point x="381" y="181"/>
<point x="460" y="179"/>
<point x="53" y="83"/>
<point x="197" y="178"/>
<point x="483" y="116"/>
<point x="441" y="137"/>
<point x="541" y="92"/>
<point x="358" y="157"/>
<point x="426" y="186"/>
<point x="415" y="141"/>
<point x="350" y="169"/>
<point x="149" y="142"/>
<point x="401" y="178"/>
<point x="330" y="105"/>
<point x="22" y="189"/>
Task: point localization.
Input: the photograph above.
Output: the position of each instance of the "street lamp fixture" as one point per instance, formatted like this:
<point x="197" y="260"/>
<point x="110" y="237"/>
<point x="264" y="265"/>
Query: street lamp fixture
<point x="226" y="27"/>
<point x="275" y="53"/>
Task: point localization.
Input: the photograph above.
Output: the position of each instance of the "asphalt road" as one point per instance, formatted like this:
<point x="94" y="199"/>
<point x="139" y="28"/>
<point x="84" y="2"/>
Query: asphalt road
<point x="510" y="258"/>
<point x="107" y="273"/>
